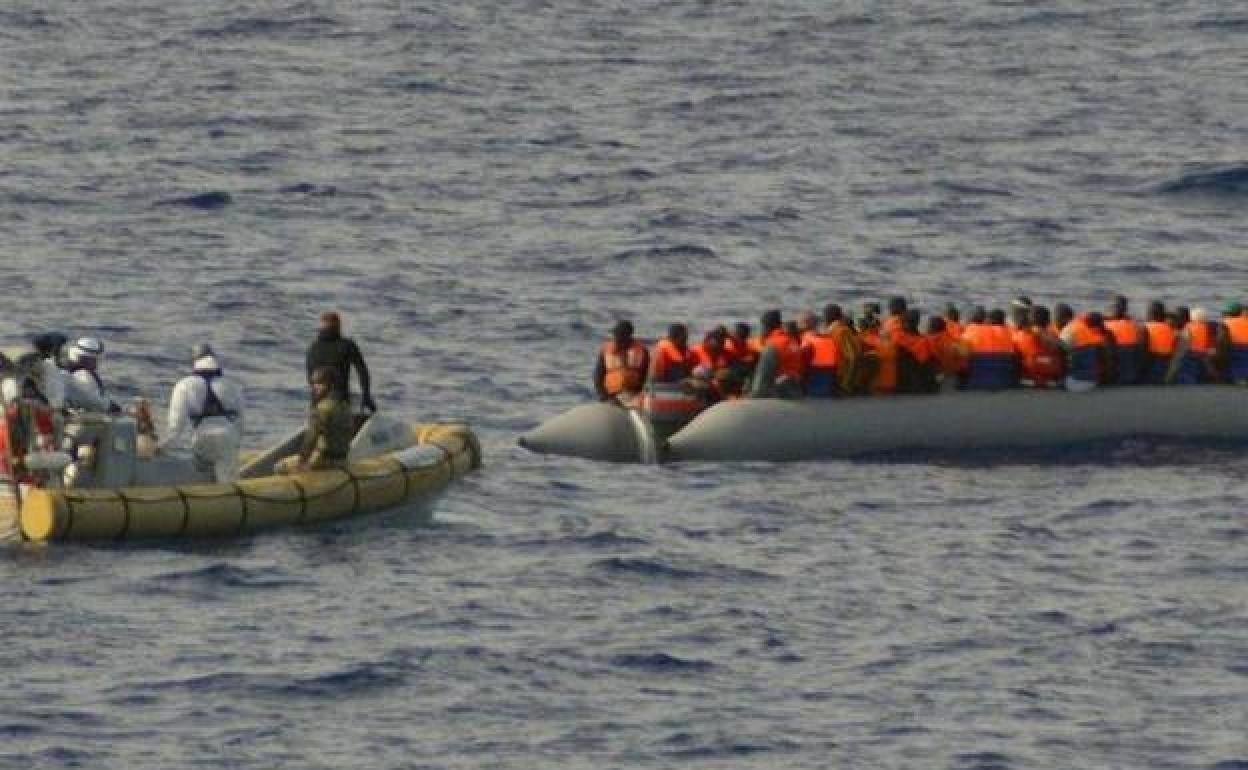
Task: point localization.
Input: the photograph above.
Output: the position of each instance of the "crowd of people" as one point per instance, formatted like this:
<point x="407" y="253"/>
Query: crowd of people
<point x="52" y="384"/>
<point x="882" y="353"/>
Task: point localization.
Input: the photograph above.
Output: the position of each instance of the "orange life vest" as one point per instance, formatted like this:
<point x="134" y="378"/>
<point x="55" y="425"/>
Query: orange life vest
<point x="825" y="353"/>
<point x="1237" y="330"/>
<point x="790" y="356"/>
<point x="743" y="353"/>
<point x="1126" y="332"/>
<point x="950" y="353"/>
<point x="1160" y="338"/>
<point x="670" y="364"/>
<point x="624" y="372"/>
<point x="892" y="327"/>
<point x="1041" y="356"/>
<point x="885" y="380"/>
<point x="1201" y="339"/>
<point x="953" y="329"/>
<point x="713" y="361"/>
<point x="1087" y="345"/>
<point x="915" y="344"/>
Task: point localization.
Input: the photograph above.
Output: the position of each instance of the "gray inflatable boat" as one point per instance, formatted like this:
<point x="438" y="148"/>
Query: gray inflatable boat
<point x="777" y="430"/>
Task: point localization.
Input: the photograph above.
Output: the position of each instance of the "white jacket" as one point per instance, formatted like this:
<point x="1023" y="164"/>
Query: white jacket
<point x="83" y="392"/>
<point x="190" y="395"/>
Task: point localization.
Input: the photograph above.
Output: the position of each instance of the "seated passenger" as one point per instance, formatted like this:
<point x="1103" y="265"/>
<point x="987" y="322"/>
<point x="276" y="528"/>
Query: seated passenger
<point x="1236" y="323"/>
<point x="993" y="362"/>
<point x="717" y="377"/>
<point x="880" y="357"/>
<point x="84" y="388"/>
<point x="620" y="370"/>
<point x="1161" y="344"/>
<point x="849" y="379"/>
<point x="953" y="322"/>
<point x="782" y="360"/>
<point x="1040" y="352"/>
<point x="1089" y="359"/>
<point x="673" y="395"/>
<point x="743" y="351"/>
<point x="896" y="316"/>
<point x="948" y="353"/>
<point x="916" y="363"/>
<point x="825" y="354"/>
<point x="210" y="406"/>
<point x="327" y="437"/>
<point x="1130" y="344"/>
<point x="1195" y="351"/>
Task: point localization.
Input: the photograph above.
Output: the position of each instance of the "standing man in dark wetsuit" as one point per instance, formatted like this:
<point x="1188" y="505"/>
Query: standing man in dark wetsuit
<point x="340" y="353"/>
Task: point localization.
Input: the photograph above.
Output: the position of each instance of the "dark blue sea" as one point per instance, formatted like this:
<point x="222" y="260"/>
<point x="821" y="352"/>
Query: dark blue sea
<point x="481" y="188"/>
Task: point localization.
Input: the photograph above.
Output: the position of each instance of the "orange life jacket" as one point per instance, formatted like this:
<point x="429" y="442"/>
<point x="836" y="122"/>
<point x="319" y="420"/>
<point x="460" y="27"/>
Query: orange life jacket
<point x="670" y="364"/>
<point x="1161" y="338"/>
<point x="1041" y="356"/>
<point x="1087" y="346"/>
<point x="953" y="329"/>
<point x="892" y="327"/>
<point x="790" y="356"/>
<point x="624" y="372"/>
<point x="825" y="353"/>
<point x="743" y="353"/>
<point x="713" y="361"/>
<point x="885" y="380"/>
<point x="1237" y="330"/>
<point x="1201" y="338"/>
<point x="1126" y="332"/>
<point x="915" y="344"/>
<point x="950" y="353"/>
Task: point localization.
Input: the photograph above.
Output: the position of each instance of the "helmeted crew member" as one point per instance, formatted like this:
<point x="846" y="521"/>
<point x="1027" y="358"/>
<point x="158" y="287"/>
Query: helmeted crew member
<point x="1161" y="343"/>
<point x="916" y="362"/>
<point x="620" y="370"/>
<point x="1130" y="343"/>
<point x="210" y="406"/>
<point x="896" y="316"/>
<point x="1196" y="350"/>
<point x="327" y="438"/>
<point x="1235" y="319"/>
<point x="824" y="348"/>
<point x="1040" y="352"/>
<point x="340" y="354"/>
<point x="85" y="390"/>
<point x="992" y="360"/>
<point x="953" y="322"/>
<point x="1089" y="359"/>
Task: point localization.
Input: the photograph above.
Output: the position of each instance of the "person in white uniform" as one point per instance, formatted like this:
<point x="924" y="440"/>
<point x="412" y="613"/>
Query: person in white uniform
<point x="84" y="388"/>
<point x="210" y="406"/>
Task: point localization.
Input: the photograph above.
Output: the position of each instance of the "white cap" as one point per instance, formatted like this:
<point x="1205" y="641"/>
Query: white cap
<point x="206" y="363"/>
<point x="1200" y="314"/>
<point x="85" y="347"/>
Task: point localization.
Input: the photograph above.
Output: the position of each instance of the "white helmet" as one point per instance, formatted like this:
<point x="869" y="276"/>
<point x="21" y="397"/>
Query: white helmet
<point x="84" y="348"/>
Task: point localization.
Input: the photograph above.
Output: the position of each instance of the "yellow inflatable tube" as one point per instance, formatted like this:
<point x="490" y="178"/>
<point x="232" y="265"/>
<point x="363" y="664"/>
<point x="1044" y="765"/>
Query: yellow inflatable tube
<point x="437" y="455"/>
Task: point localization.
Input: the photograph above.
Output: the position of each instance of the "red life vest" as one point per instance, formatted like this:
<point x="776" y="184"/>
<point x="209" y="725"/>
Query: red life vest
<point x="670" y="364"/>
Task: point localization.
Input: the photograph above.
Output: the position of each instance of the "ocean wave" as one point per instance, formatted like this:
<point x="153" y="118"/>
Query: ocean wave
<point x="1216" y="181"/>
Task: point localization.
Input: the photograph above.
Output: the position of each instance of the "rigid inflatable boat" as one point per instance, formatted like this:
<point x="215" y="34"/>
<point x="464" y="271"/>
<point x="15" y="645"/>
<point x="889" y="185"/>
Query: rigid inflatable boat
<point x="811" y="429"/>
<point x="126" y="495"/>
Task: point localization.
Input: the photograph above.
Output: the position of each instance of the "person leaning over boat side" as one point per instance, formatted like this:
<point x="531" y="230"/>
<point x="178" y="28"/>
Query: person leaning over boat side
<point x="1161" y="344"/>
<point x="1089" y="358"/>
<point x="327" y="438"/>
<point x="1130" y="343"/>
<point x="1039" y="350"/>
<point x="340" y="354"/>
<point x="210" y="406"/>
<point x="620" y="370"/>
<point x="1235" y="320"/>
<point x="992" y="362"/>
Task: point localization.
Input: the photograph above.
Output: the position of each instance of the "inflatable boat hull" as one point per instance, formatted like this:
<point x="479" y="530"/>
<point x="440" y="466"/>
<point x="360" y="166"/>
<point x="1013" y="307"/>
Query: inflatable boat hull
<point x="777" y="430"/>
<point x="419" y="465"/>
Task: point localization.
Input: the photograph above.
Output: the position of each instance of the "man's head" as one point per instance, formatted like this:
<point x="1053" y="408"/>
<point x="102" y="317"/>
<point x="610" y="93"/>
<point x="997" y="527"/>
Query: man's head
<point x="996" y="317"/>
<point x="978" y="314"/>
<point x="1118" y="307"/>
<point x="49" y="344"/>
<point x="622" y="332"/>
<point x="1040" y="317"/>
<point x="832" y="313"/>
<point x="331" y="323"/>
<point x="951" y="313"/>
<point x="678" y="334"/>
<point x="896" y="305"/>
<point x="935" y="325"/>
<point x="1156" y="310"/>
<point x="1063" y="314"/>
<point x="85" y="353"/>
<point x="771" y="321"/>
<point x="741" y="331"/>
<point x="910" y="321"/>
<point x="806" y="321"/>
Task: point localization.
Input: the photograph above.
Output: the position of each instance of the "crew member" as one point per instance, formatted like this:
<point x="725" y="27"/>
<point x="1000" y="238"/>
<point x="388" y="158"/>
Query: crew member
<point x="26" y="421"/>
<point x="340" y="354"/>
<point x="327" y="438"/>
<point x="620" y="371"/>
<point x="84" y="388"/>
<point x="992" y="360"/>
<point x="210" y="406"/>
